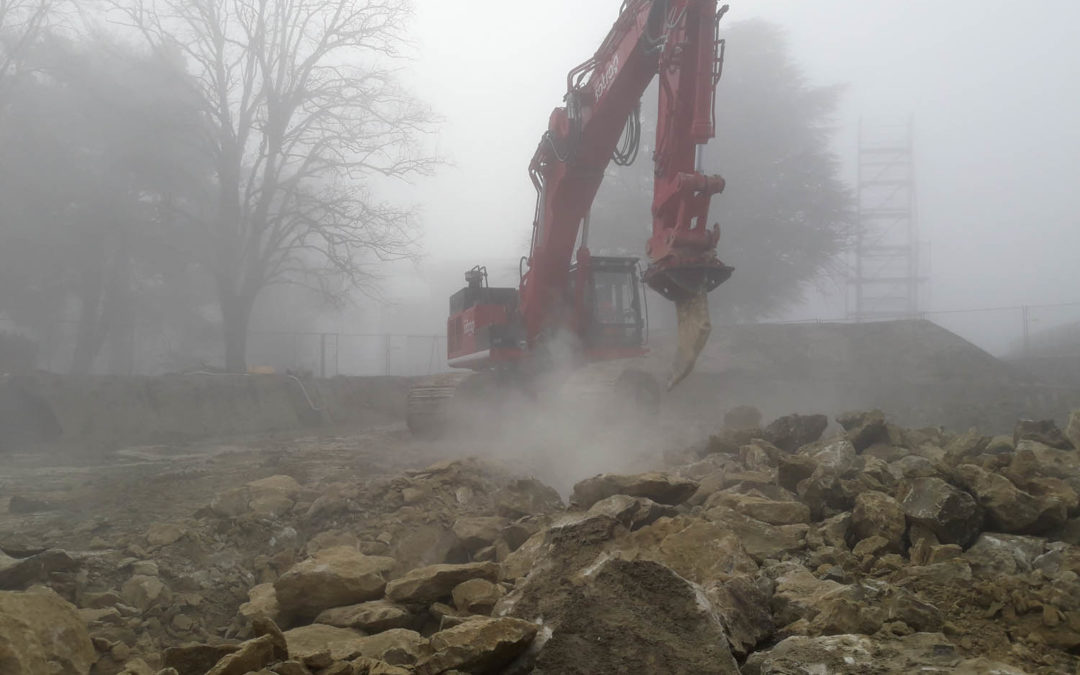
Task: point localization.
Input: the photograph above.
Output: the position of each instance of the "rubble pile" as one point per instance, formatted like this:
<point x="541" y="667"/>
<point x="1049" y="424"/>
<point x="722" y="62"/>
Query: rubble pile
<point x="800" y="546"/>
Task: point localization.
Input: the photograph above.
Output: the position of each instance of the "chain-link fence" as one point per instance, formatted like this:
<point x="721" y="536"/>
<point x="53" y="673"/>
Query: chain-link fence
<point x="1045" y="338"/>
<point x="330" y="354"/>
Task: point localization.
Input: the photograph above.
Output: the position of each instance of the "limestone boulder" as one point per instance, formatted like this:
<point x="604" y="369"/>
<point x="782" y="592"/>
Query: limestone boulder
<point x="341" y="644"/>
<point x="760" y="539"/>
<point x="771" y="511"/>
<point x="476" y="596"/>
<point x="483" y="645"/>
<point x="262" y="603"/>
<point x="397" y="646"/>
<point x="995" y="554"/>
<point x="791" y="432"/>
<point x="697" y="549"/>
<point x="797" y="592"/>
<point x="741" y="603"/>
<point x="615" y="615"/>
<point x="425" y="585"/>
<point x="1072" y="429"/>
<point x="632" y="512"/>
<point x="333" y="577"/>
<point x="856" y="654"/>
<point x="1008" y="508"/>
<point x="794" y="469"/>
<point x="950" y="513"/>
<point x="165" y="534"/>
<point x="1041" y="431"/>
<point x="251" y="656"/>
<point x="18" y="574"/>
<point x="864" y="428"/>
<point x="662" y="488"/>
<point x="196" y="659"/>
<point x="371" y="617"/>
<point x="477" y="532"/>
<point x="40" y="632"/>
<point x="526" y="497"/>
<point x="965" y="447"/>
<point x="878" y="514"/>
<point x="142" y="592"/>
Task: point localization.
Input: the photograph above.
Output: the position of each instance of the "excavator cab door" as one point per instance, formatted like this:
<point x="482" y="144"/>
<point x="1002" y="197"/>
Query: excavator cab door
<point x="613" y="303"/>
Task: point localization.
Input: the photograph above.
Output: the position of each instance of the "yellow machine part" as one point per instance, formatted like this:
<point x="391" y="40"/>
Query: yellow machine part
<point x="694" y="329"/>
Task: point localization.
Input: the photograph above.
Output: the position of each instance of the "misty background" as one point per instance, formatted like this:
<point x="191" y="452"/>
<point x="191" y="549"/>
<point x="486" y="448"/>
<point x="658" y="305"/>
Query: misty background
<point x="991" y="88"/>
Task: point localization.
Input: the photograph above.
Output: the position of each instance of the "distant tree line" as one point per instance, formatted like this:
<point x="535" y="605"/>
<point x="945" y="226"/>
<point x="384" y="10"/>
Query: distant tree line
<point x="786" y="215"/>
<point x="196" y="156"/>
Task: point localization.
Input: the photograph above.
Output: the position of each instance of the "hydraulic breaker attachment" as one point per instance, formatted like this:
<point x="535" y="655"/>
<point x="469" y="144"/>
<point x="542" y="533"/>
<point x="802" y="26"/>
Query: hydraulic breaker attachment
<point x="694" y="329"/>
<point x="688" y="285"/>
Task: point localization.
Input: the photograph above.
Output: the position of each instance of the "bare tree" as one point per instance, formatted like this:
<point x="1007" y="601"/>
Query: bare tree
<point x="22" y="22"/>
<point x="303" y="110"/>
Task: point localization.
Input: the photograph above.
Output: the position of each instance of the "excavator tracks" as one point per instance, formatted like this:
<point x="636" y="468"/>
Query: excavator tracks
<point x="480" y="403"/>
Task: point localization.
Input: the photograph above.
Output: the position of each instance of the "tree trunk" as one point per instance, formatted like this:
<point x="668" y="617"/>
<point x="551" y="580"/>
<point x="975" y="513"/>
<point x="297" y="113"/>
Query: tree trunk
<point x="87" y="342"/>
<point x="235" y="317"/>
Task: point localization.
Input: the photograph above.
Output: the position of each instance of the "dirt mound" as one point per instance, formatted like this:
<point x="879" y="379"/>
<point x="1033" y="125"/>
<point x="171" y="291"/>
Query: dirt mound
<point x="920" y="372"/>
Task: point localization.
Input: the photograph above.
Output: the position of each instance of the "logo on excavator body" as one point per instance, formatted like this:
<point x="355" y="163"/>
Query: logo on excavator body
<point x="607" y="78"/>
<point x="470" y="327"/>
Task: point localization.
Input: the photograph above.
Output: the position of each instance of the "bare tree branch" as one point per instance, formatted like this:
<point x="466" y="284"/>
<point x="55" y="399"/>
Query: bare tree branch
<point x="22" y="23"/>
<point x="306" y="111"/>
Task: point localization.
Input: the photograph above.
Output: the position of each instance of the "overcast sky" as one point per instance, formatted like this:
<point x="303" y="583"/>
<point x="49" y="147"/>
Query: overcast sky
<point x="994" y="88"/>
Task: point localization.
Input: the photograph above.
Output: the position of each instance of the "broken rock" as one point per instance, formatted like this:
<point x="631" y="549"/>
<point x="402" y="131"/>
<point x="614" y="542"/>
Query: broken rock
<point x="397" y="646"/>
<point x="333" y="577"/>
<point x="196" y="659"/>
<point x="143" y="592"/>
<point x="864" y="428"/>
<point x="262" y="603"/>
<point x="855" y="654"/>
<point x="995" y="554"/>
<point x="425" y="585"/>
<point x="476" y="533"/>
<point x="878" y="514"/>
<point x="1072" y="429"/>
<point x="40" y="632"/>
<point x="478" y="646"/>
<point x="662" y="488"/>
<point x="620" y="615"/>
<point x="21" y="574"/>
<point x="632" y="512"/>
<point x="951" y="514"/>
<point x="794" y="431"/>
<point x="742" y="604"/>
<point x="476" y="596"/>
<point x="371" y="617"/>
<point x="1008" y="508"/>
<point x="1041" y="431"/>
<point x="307" y="642"/>
<point x="251" y="656"/>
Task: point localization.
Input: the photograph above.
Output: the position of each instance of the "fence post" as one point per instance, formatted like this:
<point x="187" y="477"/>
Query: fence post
<point x="1026" y="312"/>
<point x="322" y="356"/>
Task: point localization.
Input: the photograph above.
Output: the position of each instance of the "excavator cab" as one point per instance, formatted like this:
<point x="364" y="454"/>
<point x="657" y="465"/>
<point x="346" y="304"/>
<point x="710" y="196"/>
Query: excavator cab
<point x="614" y="302"/>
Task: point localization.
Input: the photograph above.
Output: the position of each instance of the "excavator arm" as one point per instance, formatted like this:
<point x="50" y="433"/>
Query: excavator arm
<point x="675" y="40"/>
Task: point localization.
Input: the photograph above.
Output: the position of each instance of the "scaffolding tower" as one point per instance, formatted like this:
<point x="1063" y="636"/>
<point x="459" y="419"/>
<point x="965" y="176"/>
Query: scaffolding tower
<point x="886" y="274"/>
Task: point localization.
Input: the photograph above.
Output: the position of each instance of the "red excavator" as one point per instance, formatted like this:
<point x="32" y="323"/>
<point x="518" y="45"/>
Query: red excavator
<point x="573" y="308"/>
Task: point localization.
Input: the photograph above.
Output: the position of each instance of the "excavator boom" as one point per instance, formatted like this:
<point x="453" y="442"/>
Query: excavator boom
<point x="573" y="308"/>
<point x="677" y="42"/>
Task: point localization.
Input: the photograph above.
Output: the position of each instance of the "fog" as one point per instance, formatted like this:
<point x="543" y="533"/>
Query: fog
<point x="991" y="86"/>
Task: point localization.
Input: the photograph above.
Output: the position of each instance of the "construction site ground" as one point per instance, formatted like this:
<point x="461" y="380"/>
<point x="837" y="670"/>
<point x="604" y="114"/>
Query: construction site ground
<point x="720" y="536"/>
